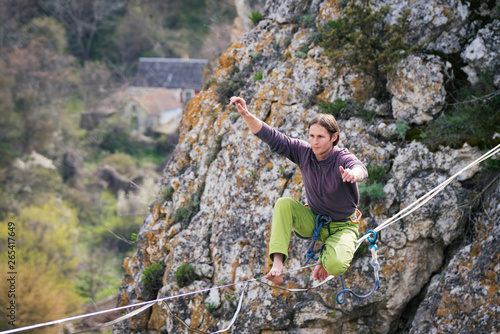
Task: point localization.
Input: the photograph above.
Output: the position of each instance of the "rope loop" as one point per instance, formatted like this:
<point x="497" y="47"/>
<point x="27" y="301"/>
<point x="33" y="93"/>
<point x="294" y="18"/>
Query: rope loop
<point x="321" y="220"/>
<point x="376" y="268"/>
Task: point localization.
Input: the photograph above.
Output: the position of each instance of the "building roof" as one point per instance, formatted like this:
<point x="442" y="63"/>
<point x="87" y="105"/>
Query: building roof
<point x="158" y="101"/>
<point x="170" y="73"/>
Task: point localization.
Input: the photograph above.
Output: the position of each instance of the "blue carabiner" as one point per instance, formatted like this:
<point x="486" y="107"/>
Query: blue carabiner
<point x="375" y="235"/>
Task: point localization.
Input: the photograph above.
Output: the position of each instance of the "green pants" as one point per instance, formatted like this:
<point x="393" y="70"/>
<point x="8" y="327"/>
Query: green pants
<point x="340" y="243"/>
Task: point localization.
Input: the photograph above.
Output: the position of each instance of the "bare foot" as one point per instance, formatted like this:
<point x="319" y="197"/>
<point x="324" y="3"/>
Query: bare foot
<point x="320" y="273"/>
<point x="274" y="274"/>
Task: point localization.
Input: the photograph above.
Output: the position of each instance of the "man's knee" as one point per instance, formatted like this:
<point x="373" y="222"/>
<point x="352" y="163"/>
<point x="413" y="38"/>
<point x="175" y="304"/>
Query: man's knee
<point x="335" y="265"/>
<point x="284" y="202"/>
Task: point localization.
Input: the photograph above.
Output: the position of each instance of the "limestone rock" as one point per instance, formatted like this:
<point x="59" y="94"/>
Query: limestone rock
<point x="216" y="197"/>
<point x="465" y="293"/>
<point x="482" y="54"/>
<point x="418" y="89"/>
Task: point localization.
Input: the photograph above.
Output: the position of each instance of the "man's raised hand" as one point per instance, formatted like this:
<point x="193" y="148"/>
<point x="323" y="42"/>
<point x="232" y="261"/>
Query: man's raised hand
<point x="253" y="123"/>
<point x="240" y="104"/>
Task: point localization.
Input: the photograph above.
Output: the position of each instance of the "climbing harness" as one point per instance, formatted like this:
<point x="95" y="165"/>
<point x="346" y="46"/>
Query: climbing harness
<point x="373" y="248"/>
<point x="376" y="268"/>
<point x="322" y="220"/>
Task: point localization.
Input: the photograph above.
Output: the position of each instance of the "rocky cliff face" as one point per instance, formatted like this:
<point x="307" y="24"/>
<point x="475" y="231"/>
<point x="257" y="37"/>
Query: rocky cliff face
<point x="216" y="197"/>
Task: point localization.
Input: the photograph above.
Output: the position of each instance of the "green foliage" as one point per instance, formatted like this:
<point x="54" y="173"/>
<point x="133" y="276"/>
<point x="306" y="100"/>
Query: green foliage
<point x="211" y="308"/>
<point x="473" y="118"/>
<point x="168" y="193"/>
<point x="344" y="109"/>
<point x="361" y="39"/>
<point x="377" y="173"/>
<point x="492" y="163"/>
<point x="255" y="17"/>
<point x="209" y="83"/>
<point x="7" y="118"/>
<point x="131" y="37"/>
<point x="232" y="86"/>
<point x="232" y="305"/>
<point x="258" y="76"/>
<point x="48" y="30"/>
<point x="152" y="278"/>
<point x="307" y="20"/>
<point x="181" y="214"/>
<point x="300" y="54"/>
<point x="35" y="180"/>
<point x="256" y="55"/>
<point x="99" y="274"/>
<point x="185" y="275"/>
<point x="115" y="135"/>
<point x="401" y="128"/>
<point x="337" y="108"/>
<point x="50" y="229"/>
<point x="234" y="116"/>
<point x="252" y="173"/>
<point x="374" y="191"/>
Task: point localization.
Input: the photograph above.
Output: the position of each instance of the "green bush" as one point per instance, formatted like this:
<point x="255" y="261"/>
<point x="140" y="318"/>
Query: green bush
<point x="337" y="108"/>
<point x="168" y="193"/>
<point x="473" y="117"/>
<point x="209" y="83"/>
<point x="341" y="108"/>
<point x="181" y="214"/>
<point x="211" y="308"/>
<point x="361" y="39"/>
<point x="231" y="87"/>
<point x="258" y="76"/>
<point x="185" y="275"/>
<point x="376" y="173"/>
<point x="301" y="54"/>
<point x="306" y="21"/>
<point x="152" y="278"/>
<point x="255" y="17"/>
<point x="401" y="128"/>
<point x="374" y="191"/>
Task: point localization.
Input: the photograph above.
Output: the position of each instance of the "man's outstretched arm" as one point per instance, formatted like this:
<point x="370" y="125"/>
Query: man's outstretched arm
<point x="253" y="122"/>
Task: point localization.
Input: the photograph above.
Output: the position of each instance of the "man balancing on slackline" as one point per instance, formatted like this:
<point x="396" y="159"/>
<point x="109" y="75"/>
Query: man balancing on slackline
<point x="329" y="174"/>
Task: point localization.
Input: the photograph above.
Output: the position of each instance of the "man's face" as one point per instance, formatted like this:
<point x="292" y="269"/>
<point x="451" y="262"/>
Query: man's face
<point x="320" y="141"/>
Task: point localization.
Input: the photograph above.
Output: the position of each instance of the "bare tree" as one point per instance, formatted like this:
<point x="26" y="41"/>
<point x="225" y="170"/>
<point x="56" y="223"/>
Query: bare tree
<point x="11" y="13"/>
<point x="83" y="19"/>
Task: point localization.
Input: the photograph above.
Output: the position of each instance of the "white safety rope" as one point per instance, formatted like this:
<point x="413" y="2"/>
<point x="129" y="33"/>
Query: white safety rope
<point x="144" y="305"/>
<point x="428" y="196"/>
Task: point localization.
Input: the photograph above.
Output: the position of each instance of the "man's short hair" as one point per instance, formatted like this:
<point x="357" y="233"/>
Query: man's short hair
<point x="328" y="122"/>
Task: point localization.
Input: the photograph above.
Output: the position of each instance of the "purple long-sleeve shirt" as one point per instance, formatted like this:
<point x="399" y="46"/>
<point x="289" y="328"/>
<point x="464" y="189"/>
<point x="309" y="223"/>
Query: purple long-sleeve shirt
<point x="326" y="193"/>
